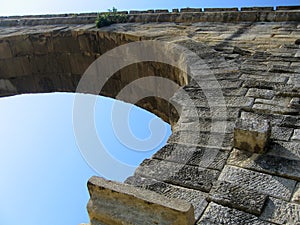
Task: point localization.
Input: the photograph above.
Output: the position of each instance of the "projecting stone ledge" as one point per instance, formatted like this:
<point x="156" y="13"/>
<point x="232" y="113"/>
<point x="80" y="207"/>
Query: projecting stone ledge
<point x="113" y="203"/>
<point x="251" y="135"/>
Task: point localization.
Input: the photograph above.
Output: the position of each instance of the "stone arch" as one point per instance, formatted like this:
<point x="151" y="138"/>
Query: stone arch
<point x="54" y="61"/>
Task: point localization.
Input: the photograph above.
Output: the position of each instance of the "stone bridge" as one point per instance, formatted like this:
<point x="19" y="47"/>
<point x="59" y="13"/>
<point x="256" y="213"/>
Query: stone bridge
<point x="254" y="54"/>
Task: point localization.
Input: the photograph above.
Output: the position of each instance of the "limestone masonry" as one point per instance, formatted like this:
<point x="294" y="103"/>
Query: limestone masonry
<point x="254" y="53"/>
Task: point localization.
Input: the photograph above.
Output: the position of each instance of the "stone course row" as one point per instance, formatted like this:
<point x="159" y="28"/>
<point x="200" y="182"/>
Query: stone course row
<point x="254" y="14"/>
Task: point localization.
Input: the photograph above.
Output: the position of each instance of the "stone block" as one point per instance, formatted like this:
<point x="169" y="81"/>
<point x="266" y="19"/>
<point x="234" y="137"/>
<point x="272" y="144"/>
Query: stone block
<point x="191" y="10"/>
<point x="257" y="9"/>
<point x="289" y="150"/>
<point x="21" y="45"/>
<point x="205" y="126"/>
<point x="218" y="214"/>
<point x="175" y="10"/>
<point x="7" y="87"/>
<point x="274" y="119"/>
<point x="196" y="198"/>
<point x="291" y="121"/>
<point x="193" y="155"/>
<point x="178" y="174"/>
<point x="263" y="183"/>
<point x="114" y="203"/>
<point x="234" y="196"/>
<point x="136" y="12"/>
<point x="202" y="139"/>
<point x="161" y="11"/>
<point x="80" y="62"/>
<point x="65" y="42"/>
<point x="281" y="133"/>
<point x="295" y="7"/>
<point x="296" y="135"/>
<point x="295" y="103"/>
<point x="220" y="9"/>
<point x="251" y="135"/>
<point x="260" y="93"/>
<point x="5" y="51"/>
<point x="271" y="164"/>
<point x="281" y="212"/>
<point x="14" y="67"/>
<point x="42" y="43"/>
<point x="296" y="195"/>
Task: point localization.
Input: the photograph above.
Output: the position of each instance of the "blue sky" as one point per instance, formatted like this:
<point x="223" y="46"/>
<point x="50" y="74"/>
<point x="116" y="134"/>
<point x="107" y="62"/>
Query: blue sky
<point x="43" y="174"/>
<point x="17" y="7"/>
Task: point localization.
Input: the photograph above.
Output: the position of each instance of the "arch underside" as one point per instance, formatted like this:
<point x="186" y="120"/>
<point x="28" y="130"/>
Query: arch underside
<point x="257" y="66"/>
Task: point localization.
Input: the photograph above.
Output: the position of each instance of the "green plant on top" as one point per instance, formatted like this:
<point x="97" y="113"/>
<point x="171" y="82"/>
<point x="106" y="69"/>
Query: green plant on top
<point x="111" y="17"/>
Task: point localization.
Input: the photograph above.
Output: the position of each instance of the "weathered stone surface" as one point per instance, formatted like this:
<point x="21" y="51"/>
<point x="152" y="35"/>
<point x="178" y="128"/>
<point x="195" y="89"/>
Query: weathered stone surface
<point x="5" y="51"/>
<point x="178" y="174"/>
<point x="287" y="7"/>
<point x="276" y="101"/>
<point x="296" y="195"/>
<point x="7" y="87"/>
<point x="294" y="103"/>
<point x="219" y="9"/>
<point x="189" y="114"/>
<point x="191" y="10"/>
<point x="288" y="168"/>
<point x="260" y="93"/>
<point x="280" y="79"/>
<point x="296" y="135"/>
<point x="263" y="183"/>
<point x="234" y="196"/>
<point x="212" y="140"/>
<point x="273" y="119"/>
<point x="205" y="126"/>
<point x="110" y="200"/>
<point x="251" y="135"/>
<point x="281" y="212"/>
<point x="271" y="109"/>
<point x="161" y="11"/>
<point x="291" y="121"/>
<point x="196" y="198"/>
<point x="193" y="155"/>
<point x="290" y="150"/>
<point x="202" y="101"/>
<point x="281" y="133"/>
<point x="257" y="8"/>
<point x="217" y="214"/>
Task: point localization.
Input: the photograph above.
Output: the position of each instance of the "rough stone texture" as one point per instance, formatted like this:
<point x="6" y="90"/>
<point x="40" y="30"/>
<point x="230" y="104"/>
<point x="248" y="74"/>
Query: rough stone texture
<point x="296" y="195"/>
<point x="260" y="93"/>
<point x="289" y="150"/>
<point x="193" y="155"/>
<point x="281" y="133"/>
<point x="296" y="135"/>
<point x="251" y="135"/>
<point x="115" y="203"/>
<point x="234" y="196"/>
<point x="196" y="198"/>
<point x="281" y="212"/>
<point x="179" y="174"/>
<point x="289" y="168"/>
<point x="253" y="55"/>
<point x="263" y="183"/>
<point x="217" y="214"/>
